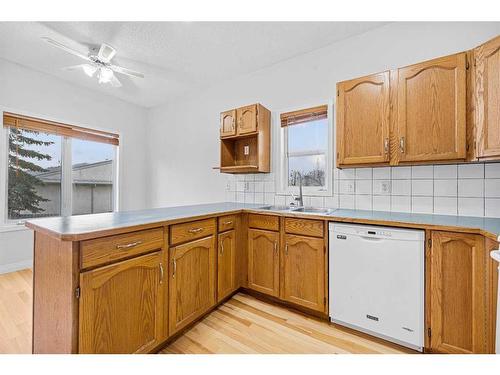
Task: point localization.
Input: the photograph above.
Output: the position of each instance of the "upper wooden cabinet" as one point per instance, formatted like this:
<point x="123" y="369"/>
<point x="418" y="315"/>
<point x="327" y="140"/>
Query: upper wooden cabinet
<point x="459" y="314"/>
<point x="363" y="120"/>
<point x="263" y="261"/>
<point x="121" y="306"/>
<point x="487" y="95"/>
<point x="247" y="119"/>
<point x="246" y="141"/>
<point x="192" y="281"/>
<point x="431" y="110"/>
<point x="228" y="123"/>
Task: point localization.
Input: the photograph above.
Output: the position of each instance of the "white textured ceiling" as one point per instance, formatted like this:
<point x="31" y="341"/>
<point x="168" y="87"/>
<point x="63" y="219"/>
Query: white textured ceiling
<point x="177" y="58"/>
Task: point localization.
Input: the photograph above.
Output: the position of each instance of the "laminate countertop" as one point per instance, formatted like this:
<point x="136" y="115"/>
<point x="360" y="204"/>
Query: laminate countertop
<point x="74" y="228"/>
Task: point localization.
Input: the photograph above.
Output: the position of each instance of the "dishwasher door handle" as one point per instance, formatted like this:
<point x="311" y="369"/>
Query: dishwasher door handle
<point x="372" y="239"/>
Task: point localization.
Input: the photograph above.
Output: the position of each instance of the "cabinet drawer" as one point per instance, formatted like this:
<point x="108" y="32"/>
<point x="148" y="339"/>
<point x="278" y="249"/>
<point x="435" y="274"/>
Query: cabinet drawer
<point x="264" y="222"/>
<point x="304" y="227"/>
<point x="190" y="231"/>
<point x="227" y="222"/>
<point x="109" y="249"/>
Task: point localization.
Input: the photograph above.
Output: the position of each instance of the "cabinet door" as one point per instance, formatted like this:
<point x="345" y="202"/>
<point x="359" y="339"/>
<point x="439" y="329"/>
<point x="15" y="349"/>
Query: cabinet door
<point x="263" y="261"/>
<point x="458" y="293"/>
<point x="228" y="123"/>
<point x="431" y="110"/>
<point x="304" y="271"/>
<point x="192" y="281"/>
<point x="121" y="306"/>
<point x="247" y="119"/>
<point x="363" y="120"/>
<point x="226" y="265"/>
<point x="487" y="84"/>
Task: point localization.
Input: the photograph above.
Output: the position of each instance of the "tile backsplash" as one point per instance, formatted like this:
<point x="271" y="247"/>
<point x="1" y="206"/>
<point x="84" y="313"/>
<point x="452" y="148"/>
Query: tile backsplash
<point x="455" y="189"/>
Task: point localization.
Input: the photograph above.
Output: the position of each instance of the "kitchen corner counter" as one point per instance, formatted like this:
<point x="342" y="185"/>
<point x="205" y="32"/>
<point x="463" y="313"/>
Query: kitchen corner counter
<point x="75" y="228"/>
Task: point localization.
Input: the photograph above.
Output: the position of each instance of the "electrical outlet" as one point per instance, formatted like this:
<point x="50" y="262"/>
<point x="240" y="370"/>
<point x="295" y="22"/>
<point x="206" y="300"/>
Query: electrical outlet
<point x="385" y="187"/>
<point x="350" y="187"/>
<point x="228" y="186"/>
<point x="247" y="186"/>
<point x="246" y="150"/>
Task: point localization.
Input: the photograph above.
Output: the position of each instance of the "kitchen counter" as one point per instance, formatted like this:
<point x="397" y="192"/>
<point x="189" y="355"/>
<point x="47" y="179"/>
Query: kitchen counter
<point x="81" y="227"/>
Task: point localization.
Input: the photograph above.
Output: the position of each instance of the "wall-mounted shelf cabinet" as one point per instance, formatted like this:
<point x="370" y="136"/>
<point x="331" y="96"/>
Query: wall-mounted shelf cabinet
<point x="245" y="140"/>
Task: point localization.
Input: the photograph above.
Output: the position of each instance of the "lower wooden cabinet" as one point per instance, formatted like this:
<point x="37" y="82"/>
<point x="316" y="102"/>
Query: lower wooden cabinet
<point x="226" y="265"/>
<point x="304" y="271"/>
<point x="121" y="306"/>
<point x="459" y="316"/>
<point x="263" y="261"/>
<point x="191" y="281"/>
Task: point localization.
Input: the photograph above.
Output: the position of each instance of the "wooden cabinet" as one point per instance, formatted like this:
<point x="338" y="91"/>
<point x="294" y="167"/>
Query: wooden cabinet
<point x="431" y="110"/>
<point x="228" y="123"/>
<point x="191" y="281"/>
<point x="304" y="272"/>
<point x="363" y="111"/>
<point x="226" y="265"/>
<point x="247" y="119"/>
<point x="263" y="261"/>
<point x="459" y="316"/>
<point x="487" y="96"/>
<point x="121" y="306"/>
<point x="247" y="148"/>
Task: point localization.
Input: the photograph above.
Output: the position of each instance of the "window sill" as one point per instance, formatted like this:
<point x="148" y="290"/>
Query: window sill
<point x="12" y="228"/>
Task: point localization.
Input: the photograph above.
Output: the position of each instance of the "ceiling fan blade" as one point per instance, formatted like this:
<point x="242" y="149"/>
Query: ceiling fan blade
<point x="88" y="69"/>
<point x="115" y="82"/>
<point x="128" y="72"/>
<point x="106" y="53"/>
<point x="66" y="48"/>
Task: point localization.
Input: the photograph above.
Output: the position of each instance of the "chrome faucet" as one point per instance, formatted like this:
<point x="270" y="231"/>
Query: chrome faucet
<point x="298" y="201"/>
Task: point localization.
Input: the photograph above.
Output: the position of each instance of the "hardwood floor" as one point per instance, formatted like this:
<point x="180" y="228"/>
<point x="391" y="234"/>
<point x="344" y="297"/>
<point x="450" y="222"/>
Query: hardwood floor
<point x="15" y="312"/>
<point x="244" y="324"/>
<point x="247" y="325"/>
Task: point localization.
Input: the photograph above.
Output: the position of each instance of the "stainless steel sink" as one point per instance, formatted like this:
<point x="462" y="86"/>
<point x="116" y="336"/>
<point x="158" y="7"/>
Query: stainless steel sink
<point x="302" y="210"/>
<point x="314" y="210"/>
<point x="277" y="208"/>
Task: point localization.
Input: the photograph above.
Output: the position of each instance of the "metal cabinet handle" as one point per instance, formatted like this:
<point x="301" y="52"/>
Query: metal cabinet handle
<point x="129" y="245"/>
<point x="386" y="145"/>
<point x="222" y="247"/>
<point x="195" y="230"/>
<point x="276" y="247"/>
<point x="174" y="264"/>
<point x="286" y="249"/>
<point x="161" y="273"/>
<point x="402" y="144"/>
<point x="228" y="222"/>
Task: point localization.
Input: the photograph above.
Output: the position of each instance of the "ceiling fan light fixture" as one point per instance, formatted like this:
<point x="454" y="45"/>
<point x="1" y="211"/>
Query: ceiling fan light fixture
<point x="105" y="75"/>
<point x="89" y="70"/>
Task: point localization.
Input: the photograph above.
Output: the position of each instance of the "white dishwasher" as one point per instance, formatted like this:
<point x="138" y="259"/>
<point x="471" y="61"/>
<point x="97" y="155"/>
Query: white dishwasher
<point x="376" y="280"/>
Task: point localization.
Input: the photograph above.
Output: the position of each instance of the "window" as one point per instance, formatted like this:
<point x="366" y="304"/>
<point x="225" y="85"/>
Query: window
<point x="56" y="169"/>
<point x="306" y="150"/>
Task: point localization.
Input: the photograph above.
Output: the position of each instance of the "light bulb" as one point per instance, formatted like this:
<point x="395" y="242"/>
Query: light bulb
<point x="89" y="70"/>
<point x="105" y="75"/>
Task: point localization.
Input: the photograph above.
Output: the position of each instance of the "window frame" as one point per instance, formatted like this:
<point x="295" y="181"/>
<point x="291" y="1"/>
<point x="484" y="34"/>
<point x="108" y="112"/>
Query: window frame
<point x="66" y="173"/>
<point x="282" y="187"/>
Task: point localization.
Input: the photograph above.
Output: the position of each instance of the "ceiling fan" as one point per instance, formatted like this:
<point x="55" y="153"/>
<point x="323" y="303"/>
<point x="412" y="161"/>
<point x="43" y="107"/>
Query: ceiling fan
<point x="98" y="63"/>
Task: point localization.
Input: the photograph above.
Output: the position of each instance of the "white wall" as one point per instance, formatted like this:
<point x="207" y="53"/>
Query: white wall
<point x="29" y="92"/>
<point x="183" y="135"/>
